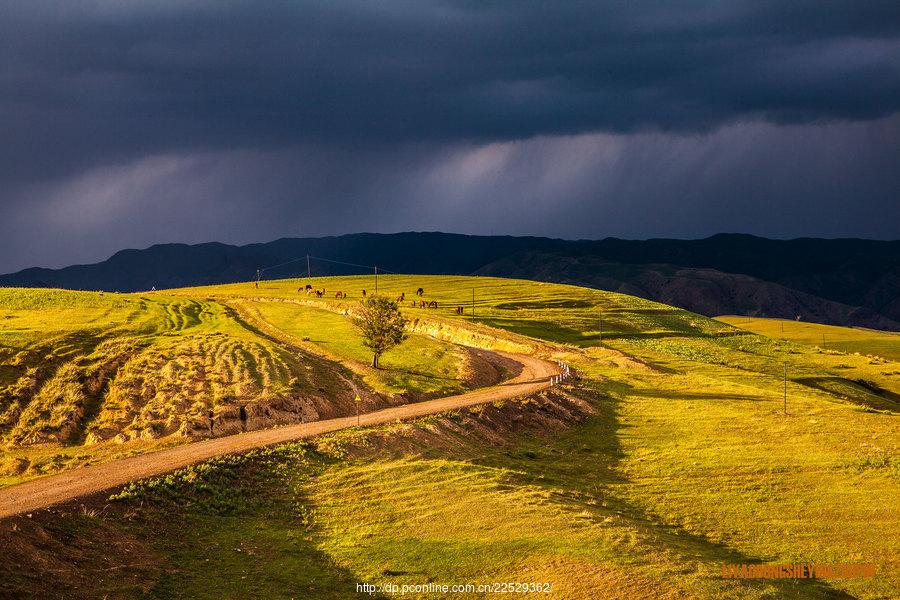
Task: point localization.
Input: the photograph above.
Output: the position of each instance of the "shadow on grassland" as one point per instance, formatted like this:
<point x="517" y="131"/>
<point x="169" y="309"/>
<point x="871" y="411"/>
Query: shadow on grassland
<point x="580" y="468"/>
<point x="229" y="528"/>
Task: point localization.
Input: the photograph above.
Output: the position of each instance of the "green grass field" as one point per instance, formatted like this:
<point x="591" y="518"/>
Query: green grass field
<point x="885" y="344"/>
<point x="421" y="364"/>
<point x="685" y="463"/>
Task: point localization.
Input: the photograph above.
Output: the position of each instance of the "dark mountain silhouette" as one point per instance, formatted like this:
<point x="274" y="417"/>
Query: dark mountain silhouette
<point x="845" y="281"/>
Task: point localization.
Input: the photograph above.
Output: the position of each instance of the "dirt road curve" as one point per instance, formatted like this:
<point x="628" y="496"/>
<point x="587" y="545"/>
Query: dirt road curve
<point x="47" y="491"/>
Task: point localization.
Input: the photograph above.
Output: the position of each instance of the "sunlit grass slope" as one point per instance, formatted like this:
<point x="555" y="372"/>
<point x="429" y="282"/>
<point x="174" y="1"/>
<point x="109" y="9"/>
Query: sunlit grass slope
<point x="420" y="364"/>
<point x="851" y="340"/>
<point x="689" y="461"/>
<point x="558" y="313"/>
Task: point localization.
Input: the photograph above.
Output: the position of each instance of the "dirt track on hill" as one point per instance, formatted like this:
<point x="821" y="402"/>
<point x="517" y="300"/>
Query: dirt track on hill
<point x="54" y="489"/>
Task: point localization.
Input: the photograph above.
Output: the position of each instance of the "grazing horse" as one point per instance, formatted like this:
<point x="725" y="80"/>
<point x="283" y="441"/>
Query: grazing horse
<point x="459" y="310"/>
<point x="421" y="303"/>
<point x="320" y="293"/>
<point x="420" y="292"/>
<point x="401" y="297"/>
<point x="364" y="293"/>
<point x="432" y="304"/>
<point x="308" y="286"/>
<point x="339" y="295"/>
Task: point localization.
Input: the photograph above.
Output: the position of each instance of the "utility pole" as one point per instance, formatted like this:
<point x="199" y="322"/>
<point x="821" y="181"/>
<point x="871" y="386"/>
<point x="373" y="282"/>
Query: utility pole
<point x="307" y="267"/>
<point x="785" y="389"/>
<point x="600" y="324"/>
<point x="473" y="304"/>
<point x="257" y="278"/>
<point x="376" y="279"/>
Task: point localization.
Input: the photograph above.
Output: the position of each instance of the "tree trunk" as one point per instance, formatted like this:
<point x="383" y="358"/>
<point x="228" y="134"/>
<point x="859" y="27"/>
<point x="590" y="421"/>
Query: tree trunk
<point x="375" y="361"/>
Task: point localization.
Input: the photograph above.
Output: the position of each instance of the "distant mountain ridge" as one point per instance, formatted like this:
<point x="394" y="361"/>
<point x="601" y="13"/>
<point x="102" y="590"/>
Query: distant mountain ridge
<point x="841" y="281"/>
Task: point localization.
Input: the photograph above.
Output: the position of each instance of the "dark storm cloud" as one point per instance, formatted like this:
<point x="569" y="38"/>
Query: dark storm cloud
<point x="126" y="124"/>
<point x="101" y="80"/>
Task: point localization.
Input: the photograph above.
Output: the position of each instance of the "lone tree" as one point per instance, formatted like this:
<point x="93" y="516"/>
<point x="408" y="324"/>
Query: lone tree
<point x="381" y="324"/>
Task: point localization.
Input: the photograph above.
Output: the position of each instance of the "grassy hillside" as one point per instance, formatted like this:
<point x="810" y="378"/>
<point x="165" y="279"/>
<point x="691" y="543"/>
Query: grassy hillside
<point x="885" y="344"/>
<point x="92" y="376"/>
<point x="544" y="311"/>
<point x="669" y="456"/>
<point x="423" y="365"/>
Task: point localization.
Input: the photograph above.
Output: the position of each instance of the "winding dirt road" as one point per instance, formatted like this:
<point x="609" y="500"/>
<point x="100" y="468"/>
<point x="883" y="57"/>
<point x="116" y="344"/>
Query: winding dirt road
<point x="54" y="489"/>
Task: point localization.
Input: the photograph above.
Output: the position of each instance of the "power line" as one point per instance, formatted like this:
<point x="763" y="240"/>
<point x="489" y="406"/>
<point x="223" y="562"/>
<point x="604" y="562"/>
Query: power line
<point x="378" y="269"/>
<point x="342" y="262"/>
<point x="307" y="257"/>
<point x="349" y="264"/>
<point x="280" y="265"/>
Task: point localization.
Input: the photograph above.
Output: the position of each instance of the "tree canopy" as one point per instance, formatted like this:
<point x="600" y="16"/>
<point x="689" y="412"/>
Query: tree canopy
<point x="381" y="324"/>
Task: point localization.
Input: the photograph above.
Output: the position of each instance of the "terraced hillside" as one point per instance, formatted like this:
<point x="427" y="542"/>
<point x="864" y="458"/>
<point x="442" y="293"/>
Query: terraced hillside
<point x="669" y="455"/>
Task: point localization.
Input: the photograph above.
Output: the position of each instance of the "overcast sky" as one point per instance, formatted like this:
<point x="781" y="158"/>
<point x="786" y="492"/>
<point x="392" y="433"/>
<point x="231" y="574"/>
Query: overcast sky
<point x="184" y="120"/>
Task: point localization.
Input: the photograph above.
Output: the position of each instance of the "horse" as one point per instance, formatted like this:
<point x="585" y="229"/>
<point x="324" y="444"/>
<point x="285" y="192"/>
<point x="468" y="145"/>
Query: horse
<point x="420" y="292"/>
<point x="421" y="304"/>
<point x="339" y="295"/>
<point x="401" y="298"/>
<point x="319" y="293"/>
<point x="459" y="310"/>
<point x="364" y="293"/>
<point x="432" y="304"/>
<point x="308" y="286"/>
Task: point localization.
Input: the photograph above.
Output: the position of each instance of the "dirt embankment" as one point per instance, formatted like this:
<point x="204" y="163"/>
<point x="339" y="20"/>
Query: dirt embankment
<point x="540" y="414"/>
<point x="485" y="368"/>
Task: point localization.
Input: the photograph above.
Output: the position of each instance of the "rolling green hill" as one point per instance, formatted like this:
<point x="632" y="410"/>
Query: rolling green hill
<point x="839" y="281"/>
<point x="668" y="456"/>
